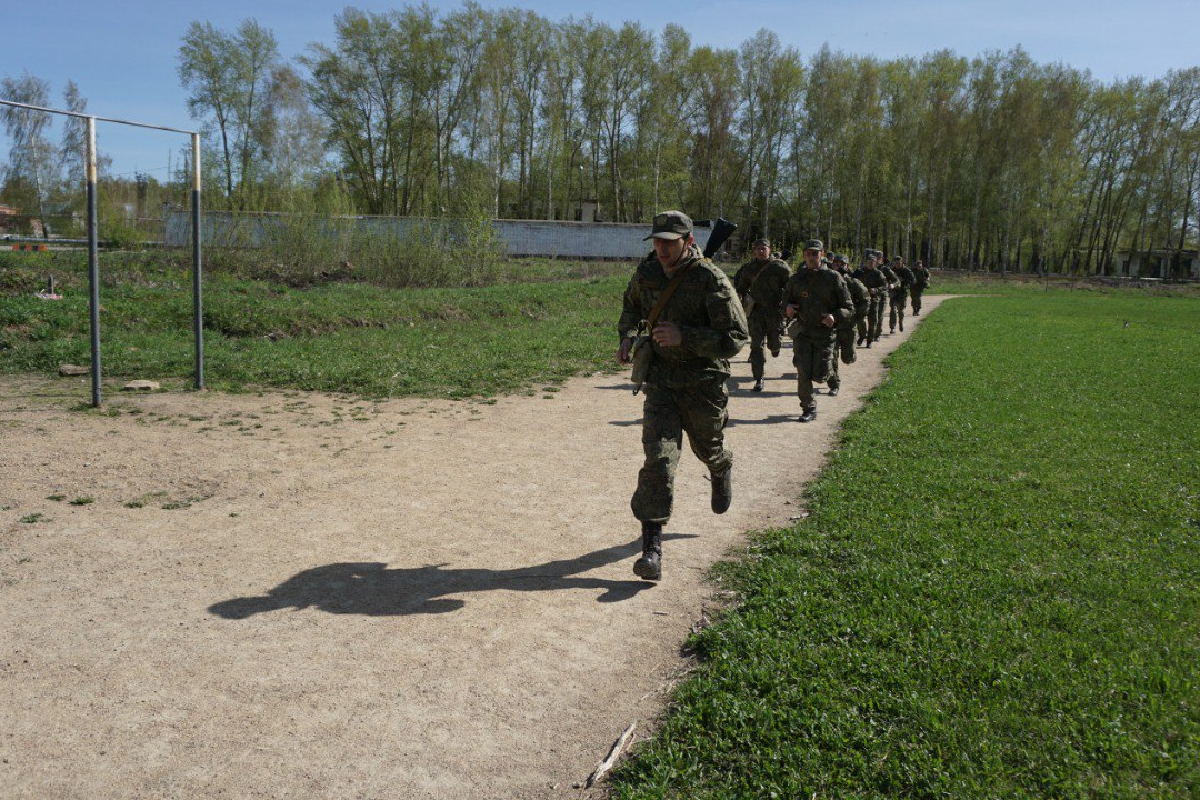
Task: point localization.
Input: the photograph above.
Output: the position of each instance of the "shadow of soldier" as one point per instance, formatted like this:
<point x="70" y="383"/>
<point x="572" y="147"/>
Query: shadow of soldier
<point x="371" y="589"/>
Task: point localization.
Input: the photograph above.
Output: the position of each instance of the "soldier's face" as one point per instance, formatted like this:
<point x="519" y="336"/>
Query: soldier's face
<point x="762" y="252"/>
<point x="669" y="250"/>
<point x="812" y="258"/>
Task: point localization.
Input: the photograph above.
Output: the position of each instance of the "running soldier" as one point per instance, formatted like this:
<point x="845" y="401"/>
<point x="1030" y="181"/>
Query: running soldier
<point x="876" y="285"/>
<point x="816" y="299"/>
<point x="920" y="284"/>
<point x="899" y="293"/>
<point x="760" y="283"/>
<point x="697" y="329"/>
<point x="845" y="330"/>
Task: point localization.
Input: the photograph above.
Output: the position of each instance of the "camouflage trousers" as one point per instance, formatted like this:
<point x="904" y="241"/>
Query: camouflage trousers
<point x="700" y="412"/>
<point x="916" y="299"/>
<point x="899" y="299"/>
<point x="875" y="317"/>
<point x="843" y="351"/>
<point x="862" y="326"/>
<point x="762" y="328"/>
<point x="812" y="353"/>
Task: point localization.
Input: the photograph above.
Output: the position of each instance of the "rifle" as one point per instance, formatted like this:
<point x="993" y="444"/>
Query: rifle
<point x="722" y="229"/>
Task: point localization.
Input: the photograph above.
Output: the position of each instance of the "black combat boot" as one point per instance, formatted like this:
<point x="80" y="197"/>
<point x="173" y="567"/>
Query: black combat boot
<point x="901" y="324"/>
<point x="809" y="414"/>
<point x="649" y="566"/>
<point x="758" y="385"/>
<point x="722" y="491"/>
<point x="833" y="389"/>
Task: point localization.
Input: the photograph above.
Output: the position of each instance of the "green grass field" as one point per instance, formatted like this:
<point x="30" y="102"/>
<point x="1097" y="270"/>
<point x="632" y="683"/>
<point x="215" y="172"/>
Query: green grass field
<point x="997" y="591"/>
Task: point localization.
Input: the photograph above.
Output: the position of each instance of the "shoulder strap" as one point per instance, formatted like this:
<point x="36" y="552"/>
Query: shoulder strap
<point x="666" y="295"/>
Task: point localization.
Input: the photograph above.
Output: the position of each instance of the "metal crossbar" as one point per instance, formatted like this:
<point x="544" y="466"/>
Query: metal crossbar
<point x="93" y="239"/>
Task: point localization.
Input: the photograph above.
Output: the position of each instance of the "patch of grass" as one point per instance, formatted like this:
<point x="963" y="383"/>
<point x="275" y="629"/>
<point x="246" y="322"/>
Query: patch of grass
<point x="34" y="517"/>
<point x="58" y="498"/>
<point x="996" y="592"/>
<point x="341" y="337"/>
<point x="136" y="504"/>
<point x="82" y="501"/>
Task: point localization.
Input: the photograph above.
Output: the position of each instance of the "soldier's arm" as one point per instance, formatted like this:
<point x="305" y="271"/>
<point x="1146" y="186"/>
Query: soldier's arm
<point x="631" y="310"/>
<point x="728" y="330"/>
<point x="843" y="306"/>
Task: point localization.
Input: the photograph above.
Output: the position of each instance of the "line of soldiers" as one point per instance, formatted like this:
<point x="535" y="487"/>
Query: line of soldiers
<point x="699" y="319"/>
<point x="824" y="305"/>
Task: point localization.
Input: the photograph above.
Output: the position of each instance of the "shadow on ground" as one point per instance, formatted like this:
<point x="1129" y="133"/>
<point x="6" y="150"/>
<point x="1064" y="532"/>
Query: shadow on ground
<point x="371" y="589"/>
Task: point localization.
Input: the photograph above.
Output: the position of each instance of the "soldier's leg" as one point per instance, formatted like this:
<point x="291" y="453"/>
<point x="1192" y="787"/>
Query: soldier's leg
<point x="902" y="297"/>
<point x="773" y="340"/>
<point x="802" y="358"/>
<point x="662" y="438"/>
<point x="704" y="410"/>
<point x="758" y="333"/>
<point x="834" y="379"/>
<point x="916" y="301"/>
<point x="876" y="317"/>
<point x="845" y="344"/>
<point x="862" y="327"/>
<point x="892" y="312"/>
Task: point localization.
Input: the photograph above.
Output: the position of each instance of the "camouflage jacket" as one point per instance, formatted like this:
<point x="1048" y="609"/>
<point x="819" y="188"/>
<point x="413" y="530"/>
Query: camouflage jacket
<point x="920" y="277"/>
<point x="816" y="292"/>
<point x="888" y="275"/>
<point x="860" y="296"/>
<point x="706" y="309"/>
<point x="873" y="279"/>
<point x="764" y="282"/>
<point x="904" y="275"/>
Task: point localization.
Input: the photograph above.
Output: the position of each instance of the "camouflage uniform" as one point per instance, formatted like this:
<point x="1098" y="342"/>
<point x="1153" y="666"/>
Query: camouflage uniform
<point x="815" y="292"/>
<point x="899" y="294"/>
<point x="920" y="284"/>
<point x="876" y="285"/>
<point x="685" y="388"/>
<point x="762" y="282"/>
<point x="861" y="299"/>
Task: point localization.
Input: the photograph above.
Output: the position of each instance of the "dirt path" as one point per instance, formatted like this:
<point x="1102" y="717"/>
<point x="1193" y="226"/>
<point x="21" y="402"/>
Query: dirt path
<point x="327" y="598"/>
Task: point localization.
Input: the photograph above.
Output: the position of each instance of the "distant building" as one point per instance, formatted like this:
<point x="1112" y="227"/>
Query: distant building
<point x="8" y="218"/>
<point x="1161" y="264"/>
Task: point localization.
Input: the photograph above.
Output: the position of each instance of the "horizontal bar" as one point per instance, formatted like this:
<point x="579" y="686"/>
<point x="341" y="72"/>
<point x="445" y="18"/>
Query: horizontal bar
<point x="93" y="116"/>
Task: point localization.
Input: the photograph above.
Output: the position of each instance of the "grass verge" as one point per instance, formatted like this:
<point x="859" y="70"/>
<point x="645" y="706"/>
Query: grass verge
<point x="997" y="591"/>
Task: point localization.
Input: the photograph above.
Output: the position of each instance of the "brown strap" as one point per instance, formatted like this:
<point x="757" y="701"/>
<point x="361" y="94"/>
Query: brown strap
<point x="666" y="295"/>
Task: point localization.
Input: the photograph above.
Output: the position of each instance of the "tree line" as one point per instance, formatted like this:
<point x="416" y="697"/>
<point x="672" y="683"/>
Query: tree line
<point x="994" y="162"/>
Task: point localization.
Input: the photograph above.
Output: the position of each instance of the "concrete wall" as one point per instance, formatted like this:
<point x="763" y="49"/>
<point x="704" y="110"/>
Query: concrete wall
<point x="521" y="237"/>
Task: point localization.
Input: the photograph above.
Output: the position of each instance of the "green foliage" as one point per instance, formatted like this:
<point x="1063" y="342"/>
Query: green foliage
<point x="997" y="589"/>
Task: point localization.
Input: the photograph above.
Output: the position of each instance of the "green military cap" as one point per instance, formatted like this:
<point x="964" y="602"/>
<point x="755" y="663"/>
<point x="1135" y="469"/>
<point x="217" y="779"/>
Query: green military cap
<point x="814" y="244"/>
<point x="670" y="225"/>
<point x="758" y="242"/>
<point x="898" y="260"/>
<point x="839" y="257"/>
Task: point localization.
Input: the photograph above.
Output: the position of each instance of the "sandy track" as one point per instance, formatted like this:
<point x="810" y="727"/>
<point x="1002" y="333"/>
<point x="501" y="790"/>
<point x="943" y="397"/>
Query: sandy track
<point x="347" y="599"/>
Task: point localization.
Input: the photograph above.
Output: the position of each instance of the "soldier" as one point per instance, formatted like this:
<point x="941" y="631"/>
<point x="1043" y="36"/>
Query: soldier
<point x="816" y="299"/>
<point x="892" y="282"/>
<point x="920" y="284"/>
<point x="899" y="294"/>
<point x="697" y="329"/>
<point x="876" y="285"/>
<point x="760" y="283"/>
<point x="845" y="330"/>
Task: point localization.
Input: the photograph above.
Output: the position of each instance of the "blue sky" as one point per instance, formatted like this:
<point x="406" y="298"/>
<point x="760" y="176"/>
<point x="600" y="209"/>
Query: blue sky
<point x="124" y="55"/>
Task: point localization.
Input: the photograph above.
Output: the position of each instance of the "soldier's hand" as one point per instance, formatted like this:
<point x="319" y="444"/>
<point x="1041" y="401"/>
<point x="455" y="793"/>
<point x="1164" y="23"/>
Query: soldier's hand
<point x="623" y="352"/>
<point x="790" y="311"/>
<point x="827" y="320"/>
<point x="667" y="334"/>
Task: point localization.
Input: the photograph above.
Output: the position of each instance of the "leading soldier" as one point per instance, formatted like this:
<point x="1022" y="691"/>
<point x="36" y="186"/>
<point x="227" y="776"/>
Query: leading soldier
<point x="698" y="328"/>
<point x="817" y="300"/>
<point x="760" y="283"/>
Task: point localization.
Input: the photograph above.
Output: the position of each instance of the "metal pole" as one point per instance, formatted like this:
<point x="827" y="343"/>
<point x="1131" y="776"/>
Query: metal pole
<point x="93" y="260"/>
<point x="197" y="306"/>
